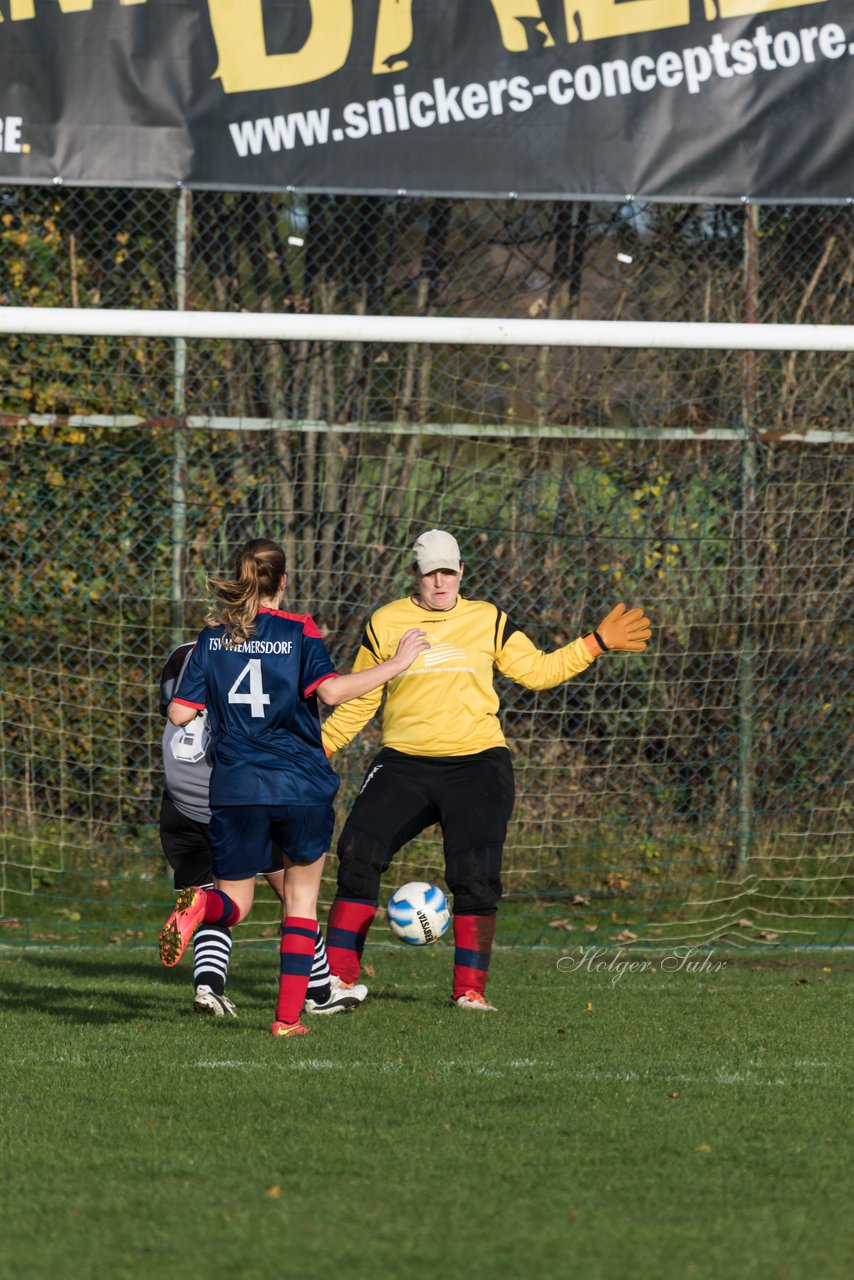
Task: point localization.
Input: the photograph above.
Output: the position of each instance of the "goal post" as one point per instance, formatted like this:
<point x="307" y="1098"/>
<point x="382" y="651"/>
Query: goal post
<point x="451" y="330"/>
<point x="695" y="793"/>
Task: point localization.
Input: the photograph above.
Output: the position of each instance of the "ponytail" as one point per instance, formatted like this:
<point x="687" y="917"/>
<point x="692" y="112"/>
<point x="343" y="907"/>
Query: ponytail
<point x="258" y="570"/>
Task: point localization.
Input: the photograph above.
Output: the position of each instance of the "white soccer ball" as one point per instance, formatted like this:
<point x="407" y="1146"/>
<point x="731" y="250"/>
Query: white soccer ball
<point x="418" y="913"/>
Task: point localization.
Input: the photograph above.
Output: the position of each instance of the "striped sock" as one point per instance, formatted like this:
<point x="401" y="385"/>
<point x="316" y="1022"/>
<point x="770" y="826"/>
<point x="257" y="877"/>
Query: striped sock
<point x="297" y="951"/>
<point x="473" y="937"/>
<point x="220" y="909"/>
<point x="211" y="951"/>
<point x="318" y="984"/>
<point x="349" y="921"/>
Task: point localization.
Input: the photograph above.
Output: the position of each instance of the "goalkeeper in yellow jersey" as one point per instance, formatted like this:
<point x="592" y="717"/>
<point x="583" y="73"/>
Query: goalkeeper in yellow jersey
<point x="443" y="756"/>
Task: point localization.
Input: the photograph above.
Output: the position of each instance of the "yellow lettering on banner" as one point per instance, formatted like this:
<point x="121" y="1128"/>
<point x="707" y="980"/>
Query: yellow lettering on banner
<point x="743" y="8"/>
<point x="510" y="15"/>
<point x="599" y="19"/>
<point x="394" y="36"/>
<point x="21" y="10"/>
<point x="245" y="64"/>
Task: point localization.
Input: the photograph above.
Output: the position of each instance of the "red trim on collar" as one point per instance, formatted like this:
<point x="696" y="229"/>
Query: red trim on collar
<point x="309" y="626"/>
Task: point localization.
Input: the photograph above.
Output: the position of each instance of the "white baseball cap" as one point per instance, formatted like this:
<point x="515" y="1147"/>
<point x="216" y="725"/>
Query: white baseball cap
<point x="436" y="549"/>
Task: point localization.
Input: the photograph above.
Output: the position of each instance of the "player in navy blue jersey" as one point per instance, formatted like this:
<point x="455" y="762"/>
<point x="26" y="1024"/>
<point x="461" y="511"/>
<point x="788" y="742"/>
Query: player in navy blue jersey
<point x="259" y="673"/>
<point x="185" y="815"/>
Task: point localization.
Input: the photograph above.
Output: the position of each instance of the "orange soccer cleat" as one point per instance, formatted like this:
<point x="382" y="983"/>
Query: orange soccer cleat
<point x="474" y="1000"/>
<point x="282" y="1029"/>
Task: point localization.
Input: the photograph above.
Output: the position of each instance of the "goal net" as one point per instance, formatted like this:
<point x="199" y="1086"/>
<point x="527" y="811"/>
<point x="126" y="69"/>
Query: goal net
<point x="697" y="793"/>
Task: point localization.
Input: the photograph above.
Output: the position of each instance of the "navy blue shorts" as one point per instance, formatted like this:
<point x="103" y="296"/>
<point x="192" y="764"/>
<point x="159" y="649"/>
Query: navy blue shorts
<point x="187" y="848"/>
<point x="242" y="836"/>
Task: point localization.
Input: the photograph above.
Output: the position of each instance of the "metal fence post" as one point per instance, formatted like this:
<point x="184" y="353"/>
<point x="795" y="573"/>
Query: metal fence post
<point x="179" y="408"/>
<point x="748" y="539"/>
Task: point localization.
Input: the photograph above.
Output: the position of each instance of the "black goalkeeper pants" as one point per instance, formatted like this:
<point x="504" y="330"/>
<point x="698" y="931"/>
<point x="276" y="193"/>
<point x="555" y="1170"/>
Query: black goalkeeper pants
<point x="471" y="797"/>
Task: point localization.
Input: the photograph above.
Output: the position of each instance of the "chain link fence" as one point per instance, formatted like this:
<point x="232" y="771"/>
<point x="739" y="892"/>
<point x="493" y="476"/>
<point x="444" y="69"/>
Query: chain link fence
<point x="701" y="791"/>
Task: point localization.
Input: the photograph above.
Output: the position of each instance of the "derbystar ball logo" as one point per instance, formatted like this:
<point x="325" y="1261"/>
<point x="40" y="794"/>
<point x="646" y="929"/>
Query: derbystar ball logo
<point x="425" y="926"/>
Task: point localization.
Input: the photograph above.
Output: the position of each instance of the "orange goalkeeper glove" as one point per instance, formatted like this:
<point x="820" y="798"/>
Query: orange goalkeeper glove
<point x="625" y="632"/>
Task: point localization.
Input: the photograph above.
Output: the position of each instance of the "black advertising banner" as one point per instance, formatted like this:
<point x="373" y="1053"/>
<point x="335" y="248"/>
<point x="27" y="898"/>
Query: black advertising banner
<point x="668" y="99"/>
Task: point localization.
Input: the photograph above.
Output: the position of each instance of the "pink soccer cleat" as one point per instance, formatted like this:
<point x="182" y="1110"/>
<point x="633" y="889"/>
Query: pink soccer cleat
<point x="181" y="925"/>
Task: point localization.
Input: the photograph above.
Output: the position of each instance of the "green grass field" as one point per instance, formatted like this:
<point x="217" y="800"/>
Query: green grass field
<point x="666" y="1124"/>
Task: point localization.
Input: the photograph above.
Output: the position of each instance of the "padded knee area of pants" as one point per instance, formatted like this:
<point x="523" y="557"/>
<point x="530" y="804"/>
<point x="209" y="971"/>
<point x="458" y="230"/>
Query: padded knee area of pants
<point x="362" y="861"/>
<point x="476" y="897"/>
<point x="474" y="878"/>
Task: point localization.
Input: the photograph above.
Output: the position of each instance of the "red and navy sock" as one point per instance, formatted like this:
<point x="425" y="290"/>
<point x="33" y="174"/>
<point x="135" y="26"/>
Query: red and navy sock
<point x="297" y="954"/>
<point x="473" y="937"/>
<point x="220" y="909"/>
<point x="349" y="922"/>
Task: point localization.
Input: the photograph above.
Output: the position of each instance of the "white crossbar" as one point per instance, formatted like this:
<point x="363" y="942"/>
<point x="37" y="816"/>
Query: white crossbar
<point x="96" y="322"/>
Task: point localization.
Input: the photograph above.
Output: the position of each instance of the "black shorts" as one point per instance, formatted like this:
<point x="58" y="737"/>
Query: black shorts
<point x="471" y="797"/>
<point x="187" y="848"/>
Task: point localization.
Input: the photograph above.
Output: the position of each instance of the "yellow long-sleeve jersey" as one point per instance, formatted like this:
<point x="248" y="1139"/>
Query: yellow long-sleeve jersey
<point x="445" y="704"/>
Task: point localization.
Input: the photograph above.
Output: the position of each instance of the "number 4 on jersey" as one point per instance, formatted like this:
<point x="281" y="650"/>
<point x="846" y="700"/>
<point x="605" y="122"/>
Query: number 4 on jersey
<point x="256" y="698"/>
